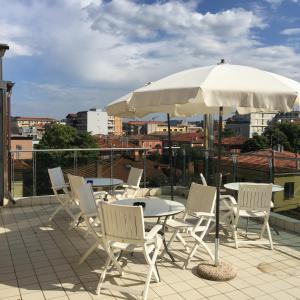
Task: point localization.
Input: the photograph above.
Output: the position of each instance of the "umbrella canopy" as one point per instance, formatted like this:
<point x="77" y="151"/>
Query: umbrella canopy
<point x="123" y="107"/>
<point x="220" y="85"/>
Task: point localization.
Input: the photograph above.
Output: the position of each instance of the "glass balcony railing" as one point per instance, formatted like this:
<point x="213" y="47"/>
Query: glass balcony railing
<point x="29" y="169"/>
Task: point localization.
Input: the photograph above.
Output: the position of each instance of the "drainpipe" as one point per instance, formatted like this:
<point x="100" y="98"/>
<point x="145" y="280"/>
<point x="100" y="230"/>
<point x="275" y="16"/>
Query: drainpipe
<point x="3" y="136"/>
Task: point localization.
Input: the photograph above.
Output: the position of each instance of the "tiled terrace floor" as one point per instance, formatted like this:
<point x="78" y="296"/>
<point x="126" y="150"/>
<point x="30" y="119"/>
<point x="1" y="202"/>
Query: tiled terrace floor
<point x="38" y="260"/>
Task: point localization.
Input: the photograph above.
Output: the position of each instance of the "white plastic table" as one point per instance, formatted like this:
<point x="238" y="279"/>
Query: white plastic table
<point x="104" y="182"/>
<point x="156" y="208"/>
<point x="235" y="186"/>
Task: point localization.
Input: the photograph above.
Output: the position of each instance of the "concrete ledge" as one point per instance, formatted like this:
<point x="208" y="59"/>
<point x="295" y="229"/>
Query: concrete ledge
<point x="285" y="222"/>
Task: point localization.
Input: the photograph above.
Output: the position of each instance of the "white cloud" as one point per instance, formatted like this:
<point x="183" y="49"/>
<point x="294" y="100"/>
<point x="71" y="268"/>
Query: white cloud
<point x="277" y="3"/>
<point x="113" y="47"/>
<point x="291" y="31"/>
<point x="14" y="35"/>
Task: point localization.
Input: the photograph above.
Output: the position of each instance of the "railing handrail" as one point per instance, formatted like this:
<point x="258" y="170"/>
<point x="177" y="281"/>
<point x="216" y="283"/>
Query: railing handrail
<point x="88" y="149"/>
<point x="79" y="149"/>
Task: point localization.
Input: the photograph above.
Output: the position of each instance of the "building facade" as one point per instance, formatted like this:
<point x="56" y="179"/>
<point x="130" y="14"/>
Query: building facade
<point x="18" y="143"/>
<point x="250" y="124"/>
<point x="115" y="126"/>
<point x="94" y="121"/>
<point x="32" y="126"/>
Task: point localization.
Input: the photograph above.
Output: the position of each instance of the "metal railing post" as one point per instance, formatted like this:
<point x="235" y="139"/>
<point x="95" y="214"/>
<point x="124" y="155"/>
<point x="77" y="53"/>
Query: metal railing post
<point x="75" y="162"/>
<point x="184" y="166"/>
<point x="12" y="170"/>
<point x="145" y="168"/>
<point x="234" y="167"/>
<point x="34" y="173"/>
<point x="111" y="165"/>
<point x="206" y="171"/>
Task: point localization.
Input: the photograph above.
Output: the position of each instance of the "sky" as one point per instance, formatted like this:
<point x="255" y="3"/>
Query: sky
<point x="71" y="55"/>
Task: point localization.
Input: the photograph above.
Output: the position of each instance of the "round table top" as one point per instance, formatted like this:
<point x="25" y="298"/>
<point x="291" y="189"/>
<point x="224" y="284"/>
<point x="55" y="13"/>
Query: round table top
<point x="155" y="207"/>
<point x="102" y="182"/>
<point x="236" y="185"/>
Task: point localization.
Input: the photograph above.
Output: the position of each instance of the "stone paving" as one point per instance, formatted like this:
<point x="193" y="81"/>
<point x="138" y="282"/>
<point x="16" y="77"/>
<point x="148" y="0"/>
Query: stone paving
<point x="39" y="260"/>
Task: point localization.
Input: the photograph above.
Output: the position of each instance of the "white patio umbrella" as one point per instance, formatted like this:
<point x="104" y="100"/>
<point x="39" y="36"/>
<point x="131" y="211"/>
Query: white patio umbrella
<point x="223" y="86"/>
<point x="122" y="108"/>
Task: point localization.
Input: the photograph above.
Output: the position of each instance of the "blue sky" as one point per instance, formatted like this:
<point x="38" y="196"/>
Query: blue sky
<point x="70" y="55"/>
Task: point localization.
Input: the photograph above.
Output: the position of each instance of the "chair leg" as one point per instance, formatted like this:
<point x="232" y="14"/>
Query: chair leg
<point x="181" y="239"/>
<point x="151" y="263"/>
<point x="190" y="256"/>
<point x="263" y="228"/>
<point x="55" y="212"/>
<point x="270" y="236"/>
<point x="88" y="253"/>
<point x="235" y="237"/>
<point x="234" y="229"/>
<point x="169" y="243"/>
<point x="103" y="274"/>
<point x="115" y="262"/>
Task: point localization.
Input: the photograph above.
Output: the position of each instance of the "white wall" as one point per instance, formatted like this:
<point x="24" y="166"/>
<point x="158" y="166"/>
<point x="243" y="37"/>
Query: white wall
<point x="97" y="122"/>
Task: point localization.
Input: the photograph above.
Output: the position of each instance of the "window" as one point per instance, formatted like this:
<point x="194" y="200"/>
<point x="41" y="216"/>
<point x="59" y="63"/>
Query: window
<point x="289" y="188"/>
<point x="19" y="147"/>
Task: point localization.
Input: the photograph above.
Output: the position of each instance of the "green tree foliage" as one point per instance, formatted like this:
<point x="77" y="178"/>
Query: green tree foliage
<point x="62" y="137"/>
<point x="228" y="132"/>
<point x="286" y="134"/>
<point x="256" y="143"/>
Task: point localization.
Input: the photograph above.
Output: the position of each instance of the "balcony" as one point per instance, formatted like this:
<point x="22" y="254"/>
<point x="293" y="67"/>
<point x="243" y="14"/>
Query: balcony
<point x="40" y="258"/>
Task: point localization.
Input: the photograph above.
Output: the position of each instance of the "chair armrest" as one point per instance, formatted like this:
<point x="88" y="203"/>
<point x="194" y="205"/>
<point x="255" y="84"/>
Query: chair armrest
<point x="130" y="186"/>
<point x="203" y="214"/>
<point x="153" y="232"/>
<point x="60" y="187"/>
<point x="230" y="198"/>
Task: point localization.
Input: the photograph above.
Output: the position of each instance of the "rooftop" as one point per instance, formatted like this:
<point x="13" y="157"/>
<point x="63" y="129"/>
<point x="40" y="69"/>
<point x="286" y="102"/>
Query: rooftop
<point x="41" y="262"/>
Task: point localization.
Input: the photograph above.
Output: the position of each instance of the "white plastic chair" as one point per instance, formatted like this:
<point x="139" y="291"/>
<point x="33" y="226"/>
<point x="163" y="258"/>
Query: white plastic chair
<point x="89" y="213"/>
<point x="200" y="206"/>
<point x="61" y="192"/>
<point x="132" y="186"/>
<point x="75" y="183"/>
<point x="123" y="230"/>
<point x="226" y="207"/>
<point x="254" y="201"/>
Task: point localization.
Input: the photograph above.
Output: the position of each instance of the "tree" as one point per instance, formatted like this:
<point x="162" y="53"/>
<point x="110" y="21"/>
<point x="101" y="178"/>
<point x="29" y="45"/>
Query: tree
<point x="256" y="143"/>
<point x="62" y="137"/>
<point x="286" y="134"/>
<point x="228" y="132"/>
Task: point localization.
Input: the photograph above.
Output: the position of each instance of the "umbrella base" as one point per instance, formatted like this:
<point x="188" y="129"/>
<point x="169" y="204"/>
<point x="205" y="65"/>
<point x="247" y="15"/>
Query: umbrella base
<point x="222" y="272"/>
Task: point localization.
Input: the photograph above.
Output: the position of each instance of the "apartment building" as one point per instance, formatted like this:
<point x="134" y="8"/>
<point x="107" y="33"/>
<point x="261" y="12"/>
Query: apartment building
<point x="34" y="127"/>
<point x="94" y="121"/>
<point x="115" y="126"/>
<point x="250" y="124"/>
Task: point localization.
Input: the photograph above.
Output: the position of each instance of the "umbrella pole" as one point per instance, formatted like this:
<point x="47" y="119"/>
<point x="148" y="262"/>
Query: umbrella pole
<point x="170" y="158"/>
<point x="219" y="183"/>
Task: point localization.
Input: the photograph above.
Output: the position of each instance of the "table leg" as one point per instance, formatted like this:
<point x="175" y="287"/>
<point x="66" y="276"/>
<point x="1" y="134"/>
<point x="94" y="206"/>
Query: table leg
<point x="162" y="232"/>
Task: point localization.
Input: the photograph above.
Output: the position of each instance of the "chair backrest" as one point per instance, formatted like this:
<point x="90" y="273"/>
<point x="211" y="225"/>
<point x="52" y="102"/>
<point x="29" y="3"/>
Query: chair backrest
<point x="122" y="223"/>
<point x="204" y="182"/>
<point x="255" y="196"/>
<point x="87" y="201"/>
<point x="201" y="198"/>
<point x="134" y="177"/>
<point x="75" y="183"/>
<point x="57" y="178"/>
